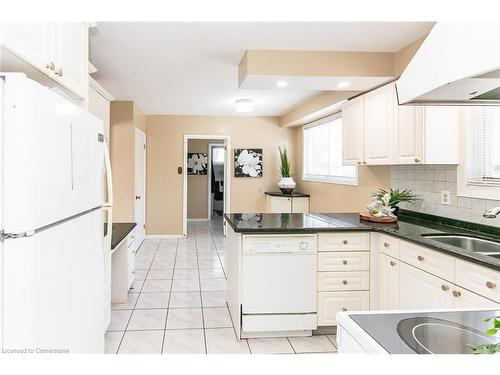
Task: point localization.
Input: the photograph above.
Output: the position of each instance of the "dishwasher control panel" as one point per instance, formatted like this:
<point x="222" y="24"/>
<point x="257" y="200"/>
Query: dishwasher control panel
<point x="280" y="243"/>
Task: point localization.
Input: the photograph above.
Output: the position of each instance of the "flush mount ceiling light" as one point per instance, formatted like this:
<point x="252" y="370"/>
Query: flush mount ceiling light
<point x="244" y="105"/>
<point x="343" y="84"/>
<point x="281" y="83"/>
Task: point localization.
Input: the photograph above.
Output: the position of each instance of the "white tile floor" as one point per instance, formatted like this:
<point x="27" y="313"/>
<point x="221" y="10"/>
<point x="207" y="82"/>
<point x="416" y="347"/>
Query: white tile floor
<point x="178" y="303"/>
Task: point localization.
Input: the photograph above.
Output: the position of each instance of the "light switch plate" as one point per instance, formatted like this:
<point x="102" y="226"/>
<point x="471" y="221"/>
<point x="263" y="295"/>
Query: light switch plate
<point x="445" y="197"/>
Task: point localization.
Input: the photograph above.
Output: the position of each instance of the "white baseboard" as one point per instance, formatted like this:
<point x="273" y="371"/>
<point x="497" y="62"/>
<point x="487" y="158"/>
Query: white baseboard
<point x="160" y="236"/>
<point x="199" y="219"/>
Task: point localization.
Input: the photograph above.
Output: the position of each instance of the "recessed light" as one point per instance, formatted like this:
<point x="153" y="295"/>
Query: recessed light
<point x="281" y="84"/>
<point x="343" y="84"/>
<point x="244" y="105"/>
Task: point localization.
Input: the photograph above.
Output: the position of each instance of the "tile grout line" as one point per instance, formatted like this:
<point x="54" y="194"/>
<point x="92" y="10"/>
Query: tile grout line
<point x="294" y="351"/>
<point x="201" y="296"/>
<point x="139" y="294"/>
<point x="217" y="249"/>
<point x="169" y="297"/>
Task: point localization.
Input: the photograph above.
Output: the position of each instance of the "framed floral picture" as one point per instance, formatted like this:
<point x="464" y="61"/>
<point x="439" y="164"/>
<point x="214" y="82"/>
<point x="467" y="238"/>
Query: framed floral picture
<point x="248" y="162"/>
<point x="197" y="164"/>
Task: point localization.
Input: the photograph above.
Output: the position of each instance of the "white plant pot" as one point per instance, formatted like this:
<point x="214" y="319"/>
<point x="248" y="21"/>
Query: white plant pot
<point x="286" y="185"/>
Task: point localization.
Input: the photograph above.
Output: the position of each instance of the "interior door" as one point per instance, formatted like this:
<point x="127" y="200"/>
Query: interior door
<point x="140" y="186"/>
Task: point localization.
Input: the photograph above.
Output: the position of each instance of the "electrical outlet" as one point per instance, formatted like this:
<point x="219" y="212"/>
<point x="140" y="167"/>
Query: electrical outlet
<point x="445" y="197"/>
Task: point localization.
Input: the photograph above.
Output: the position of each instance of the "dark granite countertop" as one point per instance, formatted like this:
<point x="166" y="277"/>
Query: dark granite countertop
<point x="291" y="195"/>
<point x="118" y="232"/>
<point x="410" y="227"/>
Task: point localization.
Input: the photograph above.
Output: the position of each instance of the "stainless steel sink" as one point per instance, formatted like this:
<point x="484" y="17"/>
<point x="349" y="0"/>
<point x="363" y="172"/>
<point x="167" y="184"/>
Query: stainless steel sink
<point x="476" y="245"/>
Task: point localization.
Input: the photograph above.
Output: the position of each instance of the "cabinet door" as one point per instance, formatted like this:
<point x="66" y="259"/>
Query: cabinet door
<point x="388" y="283"/>
<point x="300" y="205"/>
<point x="467" y="299"/>
<point x="409" y="134"/>
<point x="421" y="290"/>
<point x="352" y="131"/>
<point x="71" y="57"/>
<point x="380" y="106"/>
<point x="279" y="205"/>
<point x="31" y="41"/>
<point x="330" y="303"/>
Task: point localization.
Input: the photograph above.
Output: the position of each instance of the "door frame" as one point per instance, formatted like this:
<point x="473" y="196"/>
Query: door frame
<point x="227" y="193"/>
<point x="144" y="182"/>
<point x="211" y="146"/>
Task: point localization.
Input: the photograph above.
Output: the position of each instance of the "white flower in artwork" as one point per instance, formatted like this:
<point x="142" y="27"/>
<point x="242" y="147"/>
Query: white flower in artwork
<point x="197" y="162"/>
<point x="250" y="163"/>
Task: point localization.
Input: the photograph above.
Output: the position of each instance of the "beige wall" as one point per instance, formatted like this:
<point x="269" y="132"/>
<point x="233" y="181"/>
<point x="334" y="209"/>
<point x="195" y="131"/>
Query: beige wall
<point x="197" y="194"/>
<point x="165" y="155"/>
<point x="125" y="116"/>
<point x="326" y="197"/>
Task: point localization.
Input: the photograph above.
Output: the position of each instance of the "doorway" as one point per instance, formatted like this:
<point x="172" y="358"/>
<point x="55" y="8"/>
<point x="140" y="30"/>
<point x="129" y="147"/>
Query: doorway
<point x="140" y="186"/>
<point x="206" y="187"/>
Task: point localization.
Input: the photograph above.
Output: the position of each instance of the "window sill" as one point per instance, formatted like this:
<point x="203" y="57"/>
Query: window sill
<point x="331" y="181"/>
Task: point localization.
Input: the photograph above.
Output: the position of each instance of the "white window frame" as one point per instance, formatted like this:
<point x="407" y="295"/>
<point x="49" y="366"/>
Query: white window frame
<point x="465" y="189"/>
<point x="325" y="179"/>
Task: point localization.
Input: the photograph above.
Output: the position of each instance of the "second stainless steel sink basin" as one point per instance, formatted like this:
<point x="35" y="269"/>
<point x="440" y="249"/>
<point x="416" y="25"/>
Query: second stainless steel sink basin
<point x="474" y="244"/>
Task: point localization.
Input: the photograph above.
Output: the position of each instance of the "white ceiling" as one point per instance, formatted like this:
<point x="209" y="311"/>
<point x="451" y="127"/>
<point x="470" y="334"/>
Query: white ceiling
<point x="192" y="68"/>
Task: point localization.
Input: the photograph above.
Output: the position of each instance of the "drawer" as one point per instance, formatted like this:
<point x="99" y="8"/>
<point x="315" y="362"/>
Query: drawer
<point x="345" y="241"/>
<point x="482" y="280"/>
<point x="389" y="245"/>
<point x="338" y="281"/>
<point x="344" y="261"/>
<point x="330" y="303"/>
<point x="434" y="262"/>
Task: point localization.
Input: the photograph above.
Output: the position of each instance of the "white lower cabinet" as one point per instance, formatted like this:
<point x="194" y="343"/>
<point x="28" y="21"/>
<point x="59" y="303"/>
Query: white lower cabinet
<point x="467" y="299"/>
<point x="389" y="269"/>
<point x="329" y="303"/>
<point x="287" y="205"/>
<point x="419" y="289"/>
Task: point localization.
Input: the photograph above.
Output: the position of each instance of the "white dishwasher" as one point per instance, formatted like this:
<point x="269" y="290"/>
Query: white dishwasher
<point x="279" y="285"/>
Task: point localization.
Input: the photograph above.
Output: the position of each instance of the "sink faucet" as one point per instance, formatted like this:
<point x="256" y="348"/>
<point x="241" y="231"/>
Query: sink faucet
<point x="492" y="213"/>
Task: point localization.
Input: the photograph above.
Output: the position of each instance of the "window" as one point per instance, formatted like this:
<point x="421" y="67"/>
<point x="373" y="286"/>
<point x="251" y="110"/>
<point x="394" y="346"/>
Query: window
<point x="483" y="167"/>
<point x="323" y="153"/>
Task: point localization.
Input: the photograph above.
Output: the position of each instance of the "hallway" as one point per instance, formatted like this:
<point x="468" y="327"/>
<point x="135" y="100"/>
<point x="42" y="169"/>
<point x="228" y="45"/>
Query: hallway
<point x="178" y="303"/>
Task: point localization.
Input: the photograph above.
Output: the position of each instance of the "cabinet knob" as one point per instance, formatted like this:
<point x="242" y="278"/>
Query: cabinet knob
<point x="456" y="293"/>
<point x="359" y="162"/>
<point x="59" y="72"/>
<point x="392" y="263"/>
<point x="364" y="162"/>
<point x="344" y="282"/>
<point x="420" y="258"/>
<point x="50" y="65"/>
<point x="386" y="244"/>
<point x="344" y="262"/>
<point x="345" y="242"/>
<point x="417" y="160"/>
<point x="344" y="309"/>
<point x="491" y="285"/>
<point x="444" y="288"/>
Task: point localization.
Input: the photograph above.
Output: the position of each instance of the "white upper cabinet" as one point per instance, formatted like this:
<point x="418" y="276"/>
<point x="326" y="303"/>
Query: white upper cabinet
<point x="353" y="131"/>
<point x="71" y="56"/>
<point x="380" y="106"/>
<point x="377" y="131"/>
<point x="58" y="50"/>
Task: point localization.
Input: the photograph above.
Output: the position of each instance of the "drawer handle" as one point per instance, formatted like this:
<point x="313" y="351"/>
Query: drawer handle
<point x="392" y="263"/>
<point x="344" y="282"/>
<point x="344" y="262"/>
<point x="456" y="293"/>
<point x="386" y="244"/>
<point x="345" y="242"/>
<point x="444" y="288"/>
<point x="420" y="258"/>
<point x="344" y="309"/>
<point x="491" y="285"/>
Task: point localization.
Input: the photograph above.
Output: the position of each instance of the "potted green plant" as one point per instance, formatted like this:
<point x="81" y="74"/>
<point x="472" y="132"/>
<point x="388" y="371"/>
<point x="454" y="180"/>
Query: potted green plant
<point x="489" y="348"/>
<point x="395" y="197"/>
<point x="286" y="184"/>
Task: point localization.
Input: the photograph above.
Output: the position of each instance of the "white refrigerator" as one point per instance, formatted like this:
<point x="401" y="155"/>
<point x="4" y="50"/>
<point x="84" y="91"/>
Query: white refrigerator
<point x="52" y="216"/>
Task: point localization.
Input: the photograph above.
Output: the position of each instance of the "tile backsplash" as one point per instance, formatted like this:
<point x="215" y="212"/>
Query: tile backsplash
<point x="428" y="181"/>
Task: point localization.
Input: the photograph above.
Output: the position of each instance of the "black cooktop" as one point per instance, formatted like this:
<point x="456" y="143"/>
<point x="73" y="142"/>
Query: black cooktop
<point x="453" y="332"/>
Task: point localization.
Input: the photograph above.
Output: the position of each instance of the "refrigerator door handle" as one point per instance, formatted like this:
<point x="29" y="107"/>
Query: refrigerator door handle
<point x="109" y="177"/>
